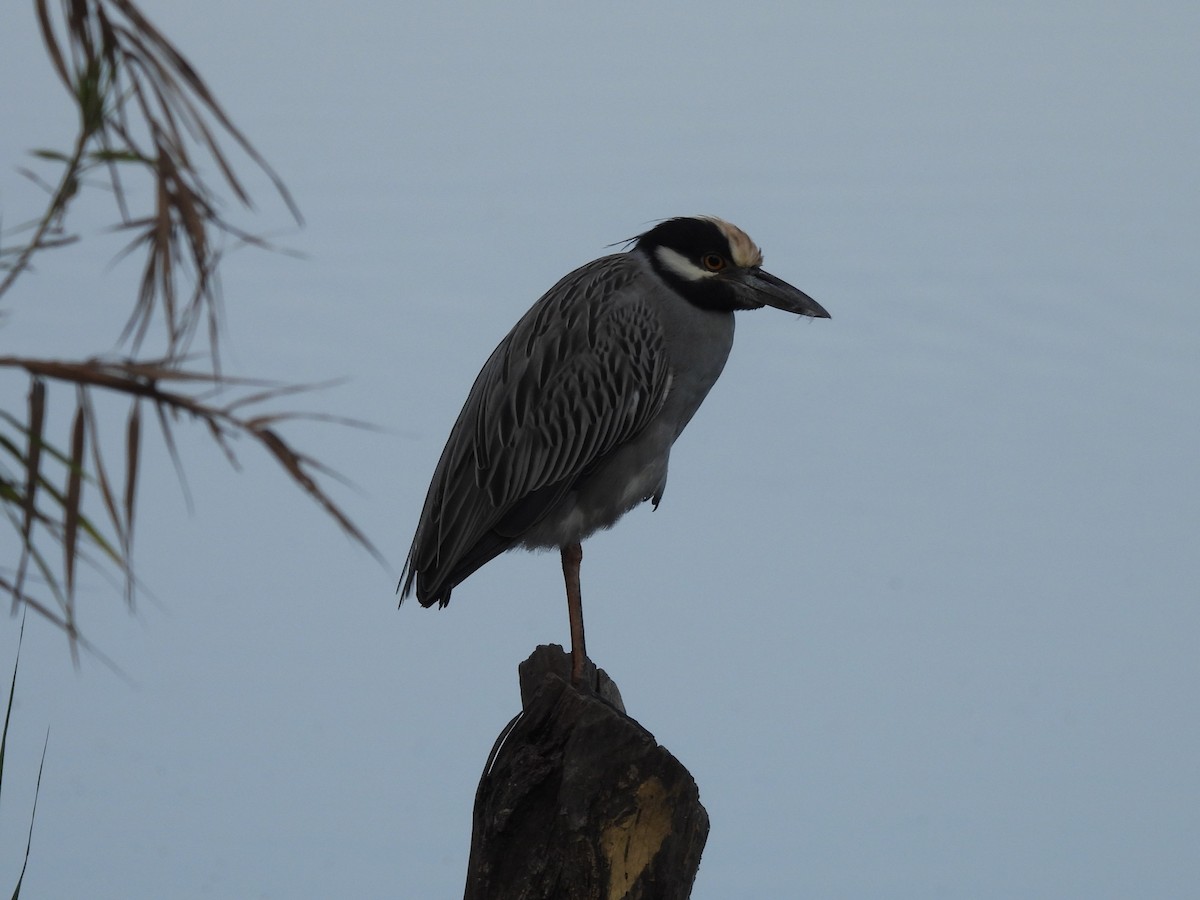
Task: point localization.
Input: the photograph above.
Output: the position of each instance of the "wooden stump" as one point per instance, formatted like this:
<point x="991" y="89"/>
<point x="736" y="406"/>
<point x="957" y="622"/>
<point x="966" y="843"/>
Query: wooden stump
<point x="579" y="801"/>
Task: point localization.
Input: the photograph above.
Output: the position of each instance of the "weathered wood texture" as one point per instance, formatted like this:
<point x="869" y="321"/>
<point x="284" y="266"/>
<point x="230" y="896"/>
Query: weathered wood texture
<point x="578" y="800"/>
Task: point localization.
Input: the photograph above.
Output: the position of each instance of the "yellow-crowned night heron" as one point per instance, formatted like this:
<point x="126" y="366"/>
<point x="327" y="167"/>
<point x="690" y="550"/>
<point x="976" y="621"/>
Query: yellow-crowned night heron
<point x="570" y="423"/>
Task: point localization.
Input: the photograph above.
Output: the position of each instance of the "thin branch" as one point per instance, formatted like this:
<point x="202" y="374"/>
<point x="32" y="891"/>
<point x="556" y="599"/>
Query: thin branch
<point x="67" y="186"/>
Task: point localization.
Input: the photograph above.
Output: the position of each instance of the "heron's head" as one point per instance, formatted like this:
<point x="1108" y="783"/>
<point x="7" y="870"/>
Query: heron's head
<point x="715" y="265"/>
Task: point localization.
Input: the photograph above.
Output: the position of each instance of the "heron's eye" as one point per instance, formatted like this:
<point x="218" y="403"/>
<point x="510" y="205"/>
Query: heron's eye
<point x="714" y="262"/>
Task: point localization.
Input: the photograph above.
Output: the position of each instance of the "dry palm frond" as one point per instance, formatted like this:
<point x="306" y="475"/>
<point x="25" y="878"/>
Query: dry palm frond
<point x="175" y="394"/>
<point x="145" y="113"/>
<point x="145" y="117"/>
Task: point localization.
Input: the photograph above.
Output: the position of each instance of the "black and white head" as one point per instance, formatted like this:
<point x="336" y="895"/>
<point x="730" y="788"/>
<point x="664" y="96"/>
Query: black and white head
<point x="716" y="266"/>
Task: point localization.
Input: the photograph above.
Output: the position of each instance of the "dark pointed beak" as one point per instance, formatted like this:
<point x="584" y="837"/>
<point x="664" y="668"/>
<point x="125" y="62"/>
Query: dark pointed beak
<point x="771" y="291"/>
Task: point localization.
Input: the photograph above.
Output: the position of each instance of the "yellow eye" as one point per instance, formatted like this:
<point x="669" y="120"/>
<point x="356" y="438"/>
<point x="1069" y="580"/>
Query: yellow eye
<point x="714" y="262"/>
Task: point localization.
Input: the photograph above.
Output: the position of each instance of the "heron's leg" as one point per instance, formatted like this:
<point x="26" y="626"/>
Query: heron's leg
<point x="572" y="556"/>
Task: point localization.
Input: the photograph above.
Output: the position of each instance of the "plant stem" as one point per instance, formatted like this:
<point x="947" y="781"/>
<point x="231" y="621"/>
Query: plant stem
<point x="62" y="196"/>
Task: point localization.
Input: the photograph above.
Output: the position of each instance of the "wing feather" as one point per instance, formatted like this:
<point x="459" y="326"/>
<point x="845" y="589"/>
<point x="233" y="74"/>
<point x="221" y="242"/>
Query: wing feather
<point x="583" y="371"/>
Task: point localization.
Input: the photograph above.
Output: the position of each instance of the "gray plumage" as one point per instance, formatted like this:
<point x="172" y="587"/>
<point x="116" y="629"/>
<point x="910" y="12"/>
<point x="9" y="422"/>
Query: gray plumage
<point x="570" y="423"/>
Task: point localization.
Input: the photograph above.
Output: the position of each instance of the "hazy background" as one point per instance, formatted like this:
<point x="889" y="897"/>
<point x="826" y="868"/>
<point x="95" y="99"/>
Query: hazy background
<point x="921" y="607"/>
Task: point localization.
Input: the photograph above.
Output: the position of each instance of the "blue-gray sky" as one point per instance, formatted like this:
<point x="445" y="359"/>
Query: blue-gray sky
<point x="921" y="607"/>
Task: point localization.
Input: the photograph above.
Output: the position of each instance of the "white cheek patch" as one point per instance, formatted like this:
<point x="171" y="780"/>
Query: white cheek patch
<point x="681" y="265"/>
